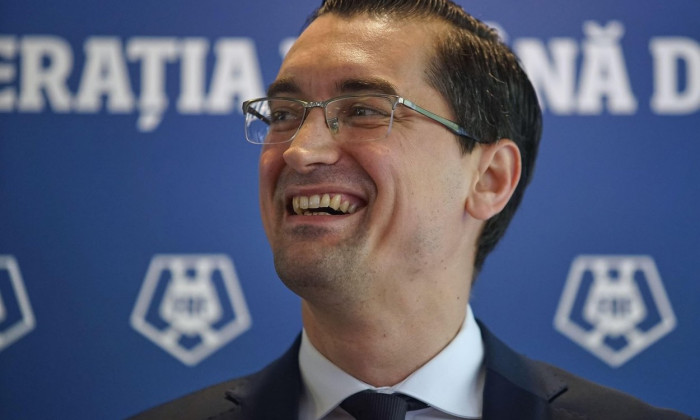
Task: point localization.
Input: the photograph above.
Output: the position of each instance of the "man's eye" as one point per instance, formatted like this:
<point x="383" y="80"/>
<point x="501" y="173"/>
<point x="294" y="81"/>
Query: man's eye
<point x="282" y="115"/>
<point x="365" y="111"/>
<point x="284" y="119"/>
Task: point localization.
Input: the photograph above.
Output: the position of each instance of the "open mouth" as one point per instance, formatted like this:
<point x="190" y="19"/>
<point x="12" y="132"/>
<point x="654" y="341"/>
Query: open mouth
<point x="329" y="204"/>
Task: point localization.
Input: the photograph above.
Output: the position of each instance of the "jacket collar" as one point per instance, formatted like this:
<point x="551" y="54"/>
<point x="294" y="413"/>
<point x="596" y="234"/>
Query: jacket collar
<point x="516" y="387"/>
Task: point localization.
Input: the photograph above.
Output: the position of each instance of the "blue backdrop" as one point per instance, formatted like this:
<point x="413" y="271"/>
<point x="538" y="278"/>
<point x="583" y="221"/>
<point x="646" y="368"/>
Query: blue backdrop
<point x="133" y="265"/>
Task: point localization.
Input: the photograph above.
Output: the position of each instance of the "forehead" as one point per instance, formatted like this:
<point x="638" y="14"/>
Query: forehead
<point x="336" y="54"/>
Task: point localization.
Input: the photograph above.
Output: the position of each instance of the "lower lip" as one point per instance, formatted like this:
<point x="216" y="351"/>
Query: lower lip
<point x="301" y="219"/>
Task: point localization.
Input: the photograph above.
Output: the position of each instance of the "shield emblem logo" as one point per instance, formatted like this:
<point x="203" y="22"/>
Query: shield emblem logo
<point x="614" y="306"/>
<point x="16" y="316"/>
<point x="191" y="305"/>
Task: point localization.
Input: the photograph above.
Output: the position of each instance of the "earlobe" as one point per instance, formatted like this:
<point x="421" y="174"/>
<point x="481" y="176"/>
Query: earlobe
<point x="498" y="173"/>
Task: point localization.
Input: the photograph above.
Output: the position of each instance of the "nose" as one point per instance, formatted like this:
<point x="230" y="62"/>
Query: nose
<point x="313" y="145"/>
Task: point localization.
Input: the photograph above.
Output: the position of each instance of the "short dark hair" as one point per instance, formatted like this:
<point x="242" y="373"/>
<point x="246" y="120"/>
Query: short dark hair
<point x="482" y="80"/>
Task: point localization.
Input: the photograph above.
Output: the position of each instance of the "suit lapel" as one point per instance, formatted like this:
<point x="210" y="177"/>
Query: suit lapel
<point x="273" y="393"/>
<point x="516" y="387"/>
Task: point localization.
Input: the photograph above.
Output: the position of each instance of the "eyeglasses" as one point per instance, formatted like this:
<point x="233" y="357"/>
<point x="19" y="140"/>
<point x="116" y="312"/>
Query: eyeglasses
<point x="350" y="118"/>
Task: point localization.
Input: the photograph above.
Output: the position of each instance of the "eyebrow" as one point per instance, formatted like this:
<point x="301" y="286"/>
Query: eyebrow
<point x="286" y="86"/>
<point x="374" y="85"/>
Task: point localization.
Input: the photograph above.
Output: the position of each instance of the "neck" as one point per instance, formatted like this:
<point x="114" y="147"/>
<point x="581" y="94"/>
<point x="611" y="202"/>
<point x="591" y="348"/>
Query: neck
<point x="381" y="341"/>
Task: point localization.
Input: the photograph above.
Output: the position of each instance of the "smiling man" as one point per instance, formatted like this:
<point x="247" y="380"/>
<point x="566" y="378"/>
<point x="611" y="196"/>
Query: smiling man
<point x="397" y="140"/>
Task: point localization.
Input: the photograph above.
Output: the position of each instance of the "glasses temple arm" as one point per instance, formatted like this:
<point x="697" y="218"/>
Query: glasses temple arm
<point x="248" y="109"/>
<point x="451" y="125"/>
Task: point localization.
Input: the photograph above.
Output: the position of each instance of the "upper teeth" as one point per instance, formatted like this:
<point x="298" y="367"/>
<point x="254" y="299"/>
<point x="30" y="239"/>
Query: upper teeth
<point x="302" y="204"/>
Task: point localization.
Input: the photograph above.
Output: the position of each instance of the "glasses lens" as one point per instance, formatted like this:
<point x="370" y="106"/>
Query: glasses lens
<point x="349" y="118"/>
<point x="361" y="118"/>
<point x="273" y="120"/>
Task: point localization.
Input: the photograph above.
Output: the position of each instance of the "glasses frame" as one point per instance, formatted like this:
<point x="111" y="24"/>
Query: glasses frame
<point x="394" y="99"/>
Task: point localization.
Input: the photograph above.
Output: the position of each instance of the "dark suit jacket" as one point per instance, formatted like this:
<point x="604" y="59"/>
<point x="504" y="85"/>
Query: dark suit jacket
<point x="516" y="388"/>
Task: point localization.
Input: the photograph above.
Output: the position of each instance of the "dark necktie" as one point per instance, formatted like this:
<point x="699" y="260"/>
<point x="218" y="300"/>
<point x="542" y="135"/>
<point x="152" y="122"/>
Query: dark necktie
<point x="370" y="405"/>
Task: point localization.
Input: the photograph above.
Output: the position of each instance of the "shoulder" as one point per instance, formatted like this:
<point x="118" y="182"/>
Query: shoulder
<point x="208" y="403"/>
<point x="265" y="394"/>
<point x="545" y="391"/>
<point x="586" y="399"/>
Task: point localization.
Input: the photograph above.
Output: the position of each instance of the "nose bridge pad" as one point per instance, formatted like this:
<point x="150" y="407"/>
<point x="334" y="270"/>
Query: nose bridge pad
<point x="333" y="125"/>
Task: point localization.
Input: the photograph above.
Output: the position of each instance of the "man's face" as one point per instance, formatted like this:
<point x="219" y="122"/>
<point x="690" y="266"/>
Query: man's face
<point x="404" y="194"/>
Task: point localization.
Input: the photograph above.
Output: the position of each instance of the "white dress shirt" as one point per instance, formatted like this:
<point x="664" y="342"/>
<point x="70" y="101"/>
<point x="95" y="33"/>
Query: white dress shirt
<point x="452" y="383"/>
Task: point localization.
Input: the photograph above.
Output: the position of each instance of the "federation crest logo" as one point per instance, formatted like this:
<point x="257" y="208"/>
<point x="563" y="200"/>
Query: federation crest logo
<point x="190" y="305"/>
<point x="16" y="316"/>
<point x="614" y="306"/>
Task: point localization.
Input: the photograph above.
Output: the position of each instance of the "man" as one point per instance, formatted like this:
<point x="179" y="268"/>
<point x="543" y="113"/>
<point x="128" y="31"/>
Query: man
<point x="397" y="140"/>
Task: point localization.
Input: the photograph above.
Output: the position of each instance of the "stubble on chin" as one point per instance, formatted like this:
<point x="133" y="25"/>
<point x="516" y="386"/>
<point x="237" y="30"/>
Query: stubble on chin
<point x="330" y="273"/>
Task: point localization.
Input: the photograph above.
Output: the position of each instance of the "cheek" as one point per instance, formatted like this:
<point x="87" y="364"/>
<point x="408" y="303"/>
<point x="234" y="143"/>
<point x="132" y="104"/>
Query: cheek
<point x="269" y="169"/>
<point x="438" y="185"/>
<point x="376" y="160"/>
<point x="434" y="170"/>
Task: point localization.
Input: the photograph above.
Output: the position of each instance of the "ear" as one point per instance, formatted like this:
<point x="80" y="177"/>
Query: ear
<point x="498" y="173"/>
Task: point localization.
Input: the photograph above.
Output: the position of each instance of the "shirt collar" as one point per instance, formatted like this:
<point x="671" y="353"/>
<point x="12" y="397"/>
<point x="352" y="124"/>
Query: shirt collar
<point x="452" y="381"/>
